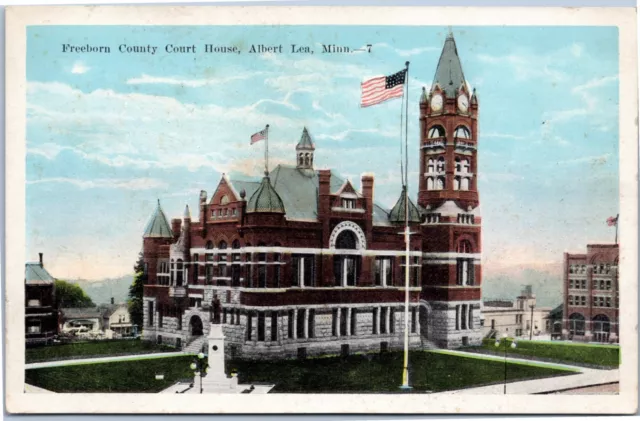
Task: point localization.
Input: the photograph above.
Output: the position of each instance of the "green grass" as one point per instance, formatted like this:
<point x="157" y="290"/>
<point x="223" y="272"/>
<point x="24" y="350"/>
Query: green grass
<point x="430" y="371"/>
<point x="116" y="377"/>
<point x="566" y="352"/>
<point x="92" y="349"/>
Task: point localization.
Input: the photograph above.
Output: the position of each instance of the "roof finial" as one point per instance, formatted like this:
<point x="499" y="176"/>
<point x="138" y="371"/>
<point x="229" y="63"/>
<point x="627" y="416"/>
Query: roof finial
<point x="450" y="34"/>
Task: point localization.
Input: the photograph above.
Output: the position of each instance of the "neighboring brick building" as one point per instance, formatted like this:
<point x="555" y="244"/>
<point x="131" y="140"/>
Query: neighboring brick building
<point x="591" y="294"/>
<point x="41" y="316"/>
<point x="303" y="263"/>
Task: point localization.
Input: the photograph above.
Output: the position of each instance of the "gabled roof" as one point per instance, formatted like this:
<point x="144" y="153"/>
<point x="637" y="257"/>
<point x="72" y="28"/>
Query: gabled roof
<point x="34" y="274"/>
<point x="399" y="210"/>
<point x="449" y="71"/>
<point x="158" y="226"/>
<point x="305" y="141"/>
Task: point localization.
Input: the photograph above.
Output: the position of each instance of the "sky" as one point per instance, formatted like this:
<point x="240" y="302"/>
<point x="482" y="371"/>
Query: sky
<point x="109" y="134"/>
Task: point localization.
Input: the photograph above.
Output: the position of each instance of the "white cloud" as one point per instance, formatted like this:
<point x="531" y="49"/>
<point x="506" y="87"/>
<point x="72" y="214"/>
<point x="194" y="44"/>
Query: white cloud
<point x="105" y="183"/>
<point x="343" y="135"/>
<point x="79" y="68"/>
<point x="503" y="136"/>
<point x="593" y="160"/>
<point x="191" y="83"/>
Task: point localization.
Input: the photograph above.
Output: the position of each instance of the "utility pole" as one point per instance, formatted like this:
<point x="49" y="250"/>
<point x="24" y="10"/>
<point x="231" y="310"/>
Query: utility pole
<point x="531" y="331"/>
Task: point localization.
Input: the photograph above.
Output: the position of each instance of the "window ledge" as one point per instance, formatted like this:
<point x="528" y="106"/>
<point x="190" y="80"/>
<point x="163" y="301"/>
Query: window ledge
<point x="353" y="210"/>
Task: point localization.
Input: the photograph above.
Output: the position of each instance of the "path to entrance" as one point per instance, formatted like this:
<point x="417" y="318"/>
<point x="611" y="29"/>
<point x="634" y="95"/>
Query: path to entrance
<point x="98" y="360"/>
<point x="585" y="378"/>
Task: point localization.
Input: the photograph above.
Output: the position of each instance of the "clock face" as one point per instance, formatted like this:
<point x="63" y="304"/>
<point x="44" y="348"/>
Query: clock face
<point x="436" y="103"/>
<point x="463" y="103"/>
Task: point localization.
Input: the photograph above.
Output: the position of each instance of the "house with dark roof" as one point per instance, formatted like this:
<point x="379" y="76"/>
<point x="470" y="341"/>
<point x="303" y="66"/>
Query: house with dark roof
<point x="304" y="263"/>
<point x="41" y="316"/>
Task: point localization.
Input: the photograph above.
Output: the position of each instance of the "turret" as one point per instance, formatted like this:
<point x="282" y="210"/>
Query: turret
<point x="304" y="151"/>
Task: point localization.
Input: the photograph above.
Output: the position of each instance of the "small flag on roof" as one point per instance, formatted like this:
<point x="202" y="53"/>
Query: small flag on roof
<point x="611" y="221"/>
<point x="261" y="135"/>
<point x="382" y="88"/>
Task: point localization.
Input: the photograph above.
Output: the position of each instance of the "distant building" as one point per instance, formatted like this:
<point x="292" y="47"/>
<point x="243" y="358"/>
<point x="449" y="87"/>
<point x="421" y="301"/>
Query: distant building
<point x="41" y="317"/>
<point x="82" y="320"/>
<point x="555" y="322"/>
<point x="519" y="318"/>
<point x="118" y="320"/>
<point x="591" y="294"/>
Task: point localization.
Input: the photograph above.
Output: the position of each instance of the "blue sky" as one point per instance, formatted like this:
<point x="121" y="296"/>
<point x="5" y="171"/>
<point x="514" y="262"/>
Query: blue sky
<point x="108" y="134"/>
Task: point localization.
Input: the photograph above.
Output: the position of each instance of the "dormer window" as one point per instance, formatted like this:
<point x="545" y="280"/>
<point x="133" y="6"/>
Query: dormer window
<point x="349" y="203"/>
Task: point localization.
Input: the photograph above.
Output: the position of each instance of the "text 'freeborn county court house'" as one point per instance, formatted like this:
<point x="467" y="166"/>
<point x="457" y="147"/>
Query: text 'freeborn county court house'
<point x="303" y="263"/>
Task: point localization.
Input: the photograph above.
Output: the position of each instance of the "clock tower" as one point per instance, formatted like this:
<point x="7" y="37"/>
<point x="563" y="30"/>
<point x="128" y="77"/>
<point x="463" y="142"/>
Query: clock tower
<point x="448" y="191"/>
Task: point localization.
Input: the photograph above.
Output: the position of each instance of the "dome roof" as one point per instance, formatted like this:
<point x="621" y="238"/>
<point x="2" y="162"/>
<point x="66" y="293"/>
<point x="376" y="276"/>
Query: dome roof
<point x="265" y="199"/>
<point x="398" y="211"/>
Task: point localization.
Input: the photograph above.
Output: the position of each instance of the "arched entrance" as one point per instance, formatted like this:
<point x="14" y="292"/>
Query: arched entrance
<point x="195" y="326"/>
<point x="601" y="328"/>
<point x="576" y="325"/>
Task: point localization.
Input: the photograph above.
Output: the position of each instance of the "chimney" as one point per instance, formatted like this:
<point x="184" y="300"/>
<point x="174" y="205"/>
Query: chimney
<point x="41" y="264"/>
<point x="324" y="192"/>
<point x="176" y="224"/>
<point x="367" y="186"/>
<point x="113" y="301"/>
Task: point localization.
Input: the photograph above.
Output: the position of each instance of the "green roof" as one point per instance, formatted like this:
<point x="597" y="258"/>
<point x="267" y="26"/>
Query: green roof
<point x="158" y="226"/>
<point x="34" y="274"/>
<point x="265" y="199"/>
<point x="305" y="141"/>
<point x="298" y="190"/>
<point x="398" y="211"/>
<point x="449" y="71"/>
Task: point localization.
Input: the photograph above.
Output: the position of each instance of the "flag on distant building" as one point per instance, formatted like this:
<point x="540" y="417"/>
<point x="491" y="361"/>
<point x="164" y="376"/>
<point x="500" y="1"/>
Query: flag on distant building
<point x="261" y="135"/>
<point x="611" y="221"/>
<point x="382" y="88"/>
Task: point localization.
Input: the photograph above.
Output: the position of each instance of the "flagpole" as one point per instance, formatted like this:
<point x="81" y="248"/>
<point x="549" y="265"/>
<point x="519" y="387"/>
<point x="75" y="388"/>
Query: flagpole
<point x="617" y="218"/>
<point x="405" y="367"/>
<point x="266" y="151"/>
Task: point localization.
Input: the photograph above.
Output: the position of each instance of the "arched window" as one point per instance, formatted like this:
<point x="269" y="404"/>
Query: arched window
<point x="306" y="159"/>
<point x="464" y="246"/>
<point x="440" y="165"/>
<point x="435" y="132"/>
<point x="465" y="184"/>
<point x="458" y="165"/>
<point x="179" y="273"/>
<point x="601" y="328"/>
<point x="224" y="200"/>
<point x="429" y="183"/>
<point x="431" y="165"/>
<point x="301" y="160"/>
<point x="576" y="324"/>
<point x="462" y="133"/>
<point x="209" y="245"/>
<point x="346" y="268"/>
<point x="440" y="183"/>
<point x="456" y="183"/>
<point x="465" y="166"/>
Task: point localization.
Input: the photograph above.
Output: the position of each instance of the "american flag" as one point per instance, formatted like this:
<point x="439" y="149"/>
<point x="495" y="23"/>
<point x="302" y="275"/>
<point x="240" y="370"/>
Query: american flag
<point x="611" y="221"/>
<point x="256" y="137"/>
<point x="382" y="88"/>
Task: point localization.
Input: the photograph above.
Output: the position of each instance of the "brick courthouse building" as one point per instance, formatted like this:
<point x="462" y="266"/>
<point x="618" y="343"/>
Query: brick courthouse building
<point x="303" y="263"/>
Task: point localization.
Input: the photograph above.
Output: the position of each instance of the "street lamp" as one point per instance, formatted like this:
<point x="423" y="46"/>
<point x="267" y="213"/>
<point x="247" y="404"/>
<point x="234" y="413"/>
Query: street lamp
<point x="200" y="367"/>
<point x="513" y="345"/>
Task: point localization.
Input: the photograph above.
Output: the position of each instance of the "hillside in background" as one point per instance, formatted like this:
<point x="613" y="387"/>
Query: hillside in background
<point x="101" y="291"/>
<point x="547" y="285"/>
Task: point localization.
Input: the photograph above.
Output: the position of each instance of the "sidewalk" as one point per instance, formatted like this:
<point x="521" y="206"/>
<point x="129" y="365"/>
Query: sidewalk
<point x="98" y="360"/>
<point x="586" y="377"/>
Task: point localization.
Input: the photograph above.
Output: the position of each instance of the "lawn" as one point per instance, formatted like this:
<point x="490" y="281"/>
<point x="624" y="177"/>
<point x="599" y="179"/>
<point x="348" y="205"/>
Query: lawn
<point x="92" y="349"/>
<point x="430" y="371"/>
<point x="568" y="352"/>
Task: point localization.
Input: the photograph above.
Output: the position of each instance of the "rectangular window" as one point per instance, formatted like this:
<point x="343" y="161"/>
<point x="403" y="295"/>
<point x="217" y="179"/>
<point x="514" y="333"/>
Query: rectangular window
<point x="160" y="315"/>
<point x="570" y="283"/>
<point x="303" y="270"/>
<point x="392" y="320"/>
<point x="290" y="324"/>
<point x="463" y="317"/>
<point x="608" y="285"/>
<point x="583" y="284"/>
<point x="235" y="275"/>
<point x="311" y="328"/>
<point x="349" y="203"/>
<point x="224" y="316"/>
<point x="261" y="327"/>
<point x="150" y="312"/>
<point x="33" y="327"/>
<point x="415" y="271"/>
<point x="276" y="270"/>
<point x="465" y="272"/>
<point x="274" y="325"/>
<point x="262" y="276"/>
<point x="470" y="324"/>
<point x="570" y="300"/>
<point x="384" y="268"/>
<point x="343" y="322"/>
<point x="209" y="274"/>
<point x="374" y="324"/>
<point x="300" y="324"/>
<point x="457" y="317"/>
<point x="414" y="320"/>
<point x="334" y="322"/>
<point x="354" y="321"/>
<point x="249" y="325"/>
<point x="583" y="300"/>
<point x="608" y="302"/>
<point x="383" y="320"/>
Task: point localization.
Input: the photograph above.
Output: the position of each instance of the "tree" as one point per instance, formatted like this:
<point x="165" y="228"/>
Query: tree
<point x="71" y="295"/>
<point x="136" y="291"/>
